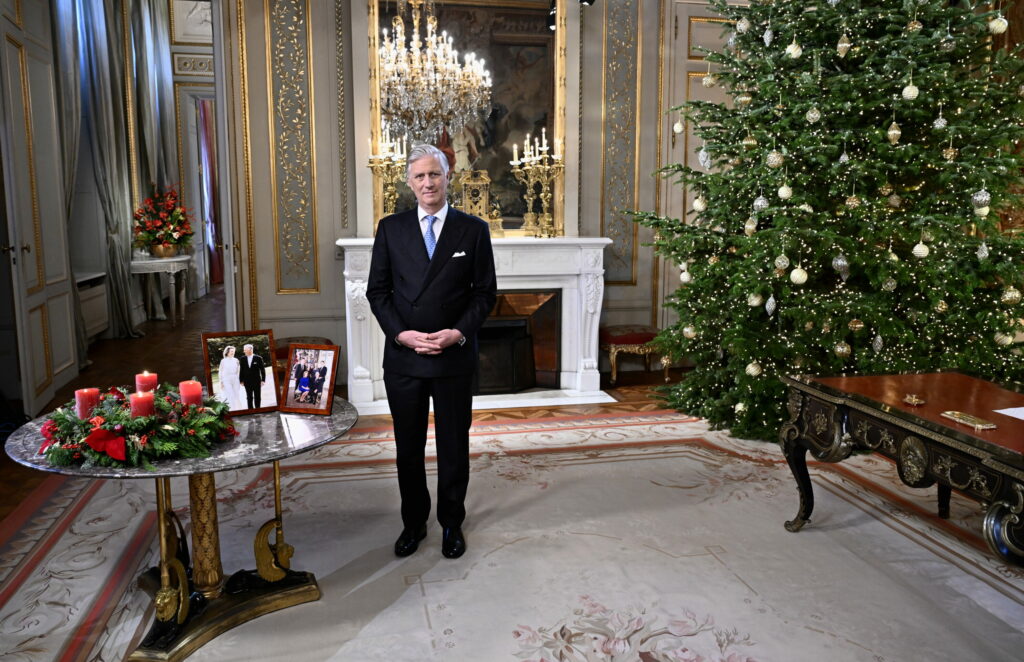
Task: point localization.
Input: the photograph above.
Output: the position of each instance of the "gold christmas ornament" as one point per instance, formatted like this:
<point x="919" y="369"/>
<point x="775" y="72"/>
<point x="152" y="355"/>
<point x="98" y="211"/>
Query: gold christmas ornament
<point x="794" y="51"/>
<point x="708" y="81"/>
<point x="779" y="273"/>
<point x="1003" y="339"/>
<point x="921" y="250"/>
<point x="754" y="300"/>
<point x="853" y="202"/>
<point x="941" y="306"/>
<point x="855" y="325"/>
<point x="894" y="133"/>
<point x="889" y="284"/>
<point x="914" y="26"/>
<point x="950" y="153"/>
<point x="885" y="189"/>
<point x="1011" y="296"/>
<point x="744" y="99"/>
<point x="895" y="201"/>
<point x="750" y="227"/>
<point x="713" y="259"/>
<point x="749" y="142"/>
<point x="753" y="369"/>
<point x="843" y="47"/>
<point x="808" y="326"/>
<point x="689" y="332"/>
<point x="775" y="159"/>
<point x="798" y="276"/>
<point x="842" y="350"/>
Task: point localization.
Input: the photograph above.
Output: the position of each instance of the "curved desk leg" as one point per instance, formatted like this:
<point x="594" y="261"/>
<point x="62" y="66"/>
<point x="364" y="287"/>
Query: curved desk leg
<point x="796" y="457"/>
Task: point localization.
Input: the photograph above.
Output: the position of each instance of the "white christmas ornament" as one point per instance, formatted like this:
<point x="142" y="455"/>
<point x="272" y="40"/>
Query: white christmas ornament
<point x="843" y="47"/>
<point x="677" y="127"/>
<point x="700" y="203"/>
<point x="807" y="208"/>
<point x="685" y="277"/>
<point x="769" y="305"/>
<point x="981" y="198"/>
<point x="708" y="81"/>
<point x="998" y="25"/>
<point x="844" y="157"/>
<point x="813" y="115"/>
<point x="1003" y="339"/>
<point x="889" y="285"/>
<point x="982" y="251"/>
<point x="743" y="25"/>
<point x="877" y="344"/>
<point x="785" y="192"/>
<point x="750" y="227"/>
<point x="775" y="159"/>
<point x="760" y="203"/>
<point x="981" y="212"/>
<point x="768" y="36"/>
<point x="794" y="51"/>
<point x="910" y="92"/>
<point x="921" y="250"/>
<point x="798" y="276"/>
<point x="755" y="300"/>
<point x="781" y="262"/>
<point x="704" y="158"/>
<point x="689" y="332"/>
<point x="753" y="369"/>
<point x="740" y="407"/>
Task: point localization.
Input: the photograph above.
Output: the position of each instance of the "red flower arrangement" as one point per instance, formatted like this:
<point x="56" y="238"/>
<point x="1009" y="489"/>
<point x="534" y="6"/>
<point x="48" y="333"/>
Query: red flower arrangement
<point x="162" y="220"/>
<point x="112" y="437"/>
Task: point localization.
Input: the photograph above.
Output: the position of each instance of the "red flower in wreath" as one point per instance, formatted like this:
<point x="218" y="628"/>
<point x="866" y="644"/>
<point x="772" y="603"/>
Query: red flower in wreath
<point x="105" y="441"/>
<point x="97" y="421"/>
<point x="49" y="433"/>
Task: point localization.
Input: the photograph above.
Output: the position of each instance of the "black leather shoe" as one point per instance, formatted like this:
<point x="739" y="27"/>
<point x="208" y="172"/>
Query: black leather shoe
<point x="409" y="541"/>
<point x="453" y="544"/>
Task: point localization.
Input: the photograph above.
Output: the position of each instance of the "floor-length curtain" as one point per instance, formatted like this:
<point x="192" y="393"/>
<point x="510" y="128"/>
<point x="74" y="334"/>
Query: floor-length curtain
<point x="69" y="98"/>
<point x="210" y="186"/>
<point x="154" y="84"/>
<point x="102" y="53"/>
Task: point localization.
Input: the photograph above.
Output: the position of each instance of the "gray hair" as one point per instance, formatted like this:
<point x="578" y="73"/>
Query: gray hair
<point x="422" y="151"/>
<point x="246" y="346"/>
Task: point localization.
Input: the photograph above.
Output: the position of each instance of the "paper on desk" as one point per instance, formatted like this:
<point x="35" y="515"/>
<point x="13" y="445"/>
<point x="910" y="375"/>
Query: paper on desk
<point x="1015" y="412"/>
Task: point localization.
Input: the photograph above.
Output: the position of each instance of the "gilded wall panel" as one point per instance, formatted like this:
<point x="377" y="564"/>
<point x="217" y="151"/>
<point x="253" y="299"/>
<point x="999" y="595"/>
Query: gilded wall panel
<point x="293" y="171"/>
<point x="619" y="146"/>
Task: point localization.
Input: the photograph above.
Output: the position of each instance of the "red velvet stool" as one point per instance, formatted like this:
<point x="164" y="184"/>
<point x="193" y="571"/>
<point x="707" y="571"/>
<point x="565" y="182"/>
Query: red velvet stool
<point x="631" y="339"/>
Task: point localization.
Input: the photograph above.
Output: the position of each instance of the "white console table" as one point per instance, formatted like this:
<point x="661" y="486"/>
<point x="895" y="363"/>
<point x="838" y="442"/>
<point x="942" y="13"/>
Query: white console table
<point x="170" y="266"/>
<point x="573" y="265"/>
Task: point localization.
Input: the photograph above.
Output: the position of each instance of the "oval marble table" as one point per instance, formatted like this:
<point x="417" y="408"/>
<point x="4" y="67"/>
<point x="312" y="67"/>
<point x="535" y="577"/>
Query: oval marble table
<point x="194" y="603"/>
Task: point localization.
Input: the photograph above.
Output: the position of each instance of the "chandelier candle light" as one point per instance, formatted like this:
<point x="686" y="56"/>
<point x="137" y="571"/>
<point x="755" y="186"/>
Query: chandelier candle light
<point x="537" y="171"/>
<point x="389" y="167"/>
<point x="423" y="88"/>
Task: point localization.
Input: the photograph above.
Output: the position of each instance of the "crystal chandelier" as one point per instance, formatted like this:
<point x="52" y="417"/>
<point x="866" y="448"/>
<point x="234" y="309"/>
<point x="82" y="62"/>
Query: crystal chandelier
<point x="423" y="87"/>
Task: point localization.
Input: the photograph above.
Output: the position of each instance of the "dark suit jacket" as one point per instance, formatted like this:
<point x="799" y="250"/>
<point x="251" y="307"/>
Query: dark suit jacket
<point x="251" y="377"/>
<point x="454" y="290"/>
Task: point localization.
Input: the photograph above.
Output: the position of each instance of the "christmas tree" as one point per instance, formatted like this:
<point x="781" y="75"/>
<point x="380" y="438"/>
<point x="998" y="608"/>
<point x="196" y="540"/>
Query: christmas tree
<point x="846" y="211"/>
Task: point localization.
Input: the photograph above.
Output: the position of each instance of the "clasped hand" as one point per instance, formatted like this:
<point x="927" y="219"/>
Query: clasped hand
<point x="429" y="343"/>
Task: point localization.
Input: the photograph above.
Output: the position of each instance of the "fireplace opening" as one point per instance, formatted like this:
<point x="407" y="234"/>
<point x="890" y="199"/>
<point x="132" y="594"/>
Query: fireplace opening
<point x="520" y="343"/>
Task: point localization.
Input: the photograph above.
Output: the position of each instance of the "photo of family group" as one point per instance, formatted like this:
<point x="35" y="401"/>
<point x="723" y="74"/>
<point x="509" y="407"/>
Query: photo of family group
<point x="240" y="370"/>
<point x="309" y="379"/>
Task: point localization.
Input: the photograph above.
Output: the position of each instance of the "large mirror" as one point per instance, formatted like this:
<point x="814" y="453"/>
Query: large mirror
<point x="526" y="59"/>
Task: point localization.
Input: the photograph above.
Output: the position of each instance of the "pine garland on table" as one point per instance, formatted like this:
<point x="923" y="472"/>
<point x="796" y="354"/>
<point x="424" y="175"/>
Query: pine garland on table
<point x="113" y="438"/>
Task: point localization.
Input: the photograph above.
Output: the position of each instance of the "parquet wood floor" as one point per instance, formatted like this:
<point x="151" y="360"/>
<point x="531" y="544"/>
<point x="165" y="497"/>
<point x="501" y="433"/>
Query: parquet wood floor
<point x="175" y="353"/>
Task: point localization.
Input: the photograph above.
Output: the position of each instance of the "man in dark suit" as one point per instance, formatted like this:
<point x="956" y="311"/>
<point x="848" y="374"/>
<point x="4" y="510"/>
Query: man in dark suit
<point x="252" y="374"/>
<point x="431" y="286"/>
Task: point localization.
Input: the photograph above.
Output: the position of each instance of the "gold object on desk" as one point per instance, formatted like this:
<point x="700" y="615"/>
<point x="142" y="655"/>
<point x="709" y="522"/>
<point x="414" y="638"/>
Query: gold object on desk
<point x="538" y="172"/>
<point x="389" y="167"/>
<point x="970" y="419"/>
<point x="913" y="400"/>
<point x="472" y="190"/>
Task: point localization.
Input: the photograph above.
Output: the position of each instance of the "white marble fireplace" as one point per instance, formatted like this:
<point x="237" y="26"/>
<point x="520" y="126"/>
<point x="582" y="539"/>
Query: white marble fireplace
<point x="572" y="265"/>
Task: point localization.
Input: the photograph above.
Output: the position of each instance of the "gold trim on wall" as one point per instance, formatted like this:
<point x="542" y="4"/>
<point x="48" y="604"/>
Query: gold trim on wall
<point x="170" y="13"/>
<point x="26" y="103"/>
<point x="193" y="64"/>
<point x="18" y="18"/>
<point x="662" y="119"/>
<point x="296" y="237"/>
<point x="375" y="131"/>
<point x="561" y="15"/>
<point x="129" y="104"/>
<point x="339" y="63"/>
<point x="254" y="318"/>
<point x="689" y="34"/>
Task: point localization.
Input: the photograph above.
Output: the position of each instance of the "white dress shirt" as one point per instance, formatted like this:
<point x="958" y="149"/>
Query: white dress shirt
<point x="441" y="214"/>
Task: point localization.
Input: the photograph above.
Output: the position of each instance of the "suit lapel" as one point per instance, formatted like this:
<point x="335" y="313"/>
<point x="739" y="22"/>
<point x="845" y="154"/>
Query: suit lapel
<point x="412" y="244"/>
<point x="454" y="228"/>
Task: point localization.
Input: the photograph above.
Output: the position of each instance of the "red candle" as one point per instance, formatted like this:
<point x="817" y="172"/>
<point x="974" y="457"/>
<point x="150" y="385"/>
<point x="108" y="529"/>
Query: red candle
<point x="191" y="392"/>
<point x="86" y="400"/>
<point x="142" y="404"/>
<point x="145" y="381"/>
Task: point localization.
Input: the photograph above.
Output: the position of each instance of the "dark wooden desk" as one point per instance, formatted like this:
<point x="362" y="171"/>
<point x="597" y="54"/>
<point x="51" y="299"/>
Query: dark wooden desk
<point x="832" y="416"/>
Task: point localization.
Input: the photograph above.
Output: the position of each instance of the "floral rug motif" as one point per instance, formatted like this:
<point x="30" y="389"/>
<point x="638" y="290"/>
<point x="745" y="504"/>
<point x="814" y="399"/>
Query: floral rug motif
<point x="614" y="537"/>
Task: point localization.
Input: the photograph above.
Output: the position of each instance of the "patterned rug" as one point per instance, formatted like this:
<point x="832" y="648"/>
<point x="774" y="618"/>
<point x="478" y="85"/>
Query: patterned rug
<point x="617" y="535"/>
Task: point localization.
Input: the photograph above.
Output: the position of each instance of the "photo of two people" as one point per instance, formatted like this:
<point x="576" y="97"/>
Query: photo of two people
<point x="240" y="370"/>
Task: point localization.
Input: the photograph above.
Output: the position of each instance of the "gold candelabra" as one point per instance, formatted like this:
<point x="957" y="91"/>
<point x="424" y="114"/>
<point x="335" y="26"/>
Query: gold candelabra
<point x="537" y="171"/>
<point x="389" y="166"/>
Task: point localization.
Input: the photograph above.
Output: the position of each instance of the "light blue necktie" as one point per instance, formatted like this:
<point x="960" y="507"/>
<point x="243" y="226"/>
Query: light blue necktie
<point x="428" y="237"/>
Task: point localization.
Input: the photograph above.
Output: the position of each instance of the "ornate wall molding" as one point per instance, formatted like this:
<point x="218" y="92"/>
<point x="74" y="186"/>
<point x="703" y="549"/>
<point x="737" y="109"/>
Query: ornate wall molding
<point x="340" y="24"/>
<point x="622" y="48"/>
<point x="293" y="167"/>
<point x="187" y="64"/>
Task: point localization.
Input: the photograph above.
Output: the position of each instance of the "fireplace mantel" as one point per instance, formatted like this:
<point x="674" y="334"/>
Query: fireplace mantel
<point x="574" y="265"/>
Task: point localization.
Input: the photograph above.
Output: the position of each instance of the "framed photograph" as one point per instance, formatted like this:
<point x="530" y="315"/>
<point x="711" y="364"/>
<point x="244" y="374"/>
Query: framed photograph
<point x="240" y="369"/>
<point x="308" y="384"/>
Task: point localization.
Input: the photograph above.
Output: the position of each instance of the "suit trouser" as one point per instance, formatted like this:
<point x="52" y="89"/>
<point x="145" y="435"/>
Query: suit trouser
<point x="409" y="400"/>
